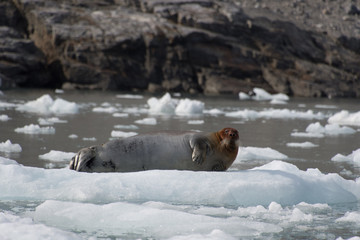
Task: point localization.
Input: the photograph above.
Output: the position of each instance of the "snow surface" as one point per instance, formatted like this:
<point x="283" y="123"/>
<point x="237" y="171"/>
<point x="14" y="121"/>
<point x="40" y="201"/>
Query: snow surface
<point x="35" y="129"/>
<point x="319" y="131"/>
<point x="57" y="156"/>
<point x="7" y="146"/>
<point x="46" y="105"/>
<point x="353" y="157"/>
<point x="346" y="118"/>
<point x="168" y="105"/>
<point x="275" y="114"/>
<point x="262" y="95"/>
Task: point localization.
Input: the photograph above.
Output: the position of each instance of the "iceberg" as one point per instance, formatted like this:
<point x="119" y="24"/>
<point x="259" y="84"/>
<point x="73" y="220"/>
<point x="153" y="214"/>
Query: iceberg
<point x="344" y="117"/>
<point x="46" y="105"/>
<point x="8" y="147"/>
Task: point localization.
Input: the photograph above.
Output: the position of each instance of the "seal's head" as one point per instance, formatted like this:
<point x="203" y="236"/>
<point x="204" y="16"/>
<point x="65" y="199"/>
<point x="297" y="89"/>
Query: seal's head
<point x="229" y="138"/>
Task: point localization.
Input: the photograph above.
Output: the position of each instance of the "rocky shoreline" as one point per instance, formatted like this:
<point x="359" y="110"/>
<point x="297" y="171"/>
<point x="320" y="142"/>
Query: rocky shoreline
<point x="298" y="47"/>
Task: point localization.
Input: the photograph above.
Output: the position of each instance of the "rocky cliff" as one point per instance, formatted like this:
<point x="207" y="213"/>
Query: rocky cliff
<point x="298" y="47"/>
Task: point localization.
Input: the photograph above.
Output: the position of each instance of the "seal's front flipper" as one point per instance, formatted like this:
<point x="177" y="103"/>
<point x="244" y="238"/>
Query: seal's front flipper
<point x="81" y="162"/>
<point x="200" y="148"/>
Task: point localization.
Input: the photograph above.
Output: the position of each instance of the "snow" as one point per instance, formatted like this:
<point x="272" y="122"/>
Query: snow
<point x="275" y="114"/>
<point x="168" y="105"/>
<point x="46" y="105"/>
<point x="353" y="157"/>
<point x="319" y="131"/>
<point x="147" y="121"/>
<point x="7" y="146"/>
<point x="302" y="145"/>
<point x="57" y="156"/>
<point x="15" y="227"/>
<point x="262" y="95"/>
<point x="121" y="134"/>
<point x="35" y="129"/>
<point x="257" y="153"/>
<point x="346" y="118"/>
<point x="4" y="118"/>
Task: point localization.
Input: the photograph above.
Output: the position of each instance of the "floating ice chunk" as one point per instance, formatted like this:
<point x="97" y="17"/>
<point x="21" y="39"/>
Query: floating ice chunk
<point x="4" y="118"/>
<point x="244" y="96"/>
<point x="50" y="121"/>
<point x="73" y="136"/>
<point x="317" y="130"/>
<point x="302" y="145"/>
<point x="131" y="126"/>
<point x="121" y="115"/>
<point x="196" y="122"/>
<point x="164" y="105"/>
<point x="35" y="129"/>
<point x="15" y="227"/>
<point x="262" y="95"/>
<point x="91" y="139"/>
<point x="325" y="106"/>
<point x="10" y="147"/>
<point x="216" y="234"/>
<point x="350" y="217"/>
<point x="353" y="157"/>
<point x="129" y="96"/>
<point x="46" y="105"/>
<point x="298" y="216"/>
<point x="278" y="101"/>
<point x="256" y="153"/>
<point x="189" y="107"/>
<point x="162" y="223"/>
<point x="121" y="134"/>
<point x="346" y="118"/>
<point x="59" y="91"/>
<point x="57" y="156"/>
<point x="275" y="114"/>
<point x="214" y="111"/>
<point x="6" y="105"/>
<point x="147" y="121"/>
<point x="167" y="105"/>
<point x="104" y="109"/>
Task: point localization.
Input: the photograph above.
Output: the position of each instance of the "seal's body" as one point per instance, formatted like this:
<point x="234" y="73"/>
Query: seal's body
<point x="161" y="150"/>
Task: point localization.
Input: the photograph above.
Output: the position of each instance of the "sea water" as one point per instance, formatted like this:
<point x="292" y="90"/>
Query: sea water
<point x="296" y="174"/>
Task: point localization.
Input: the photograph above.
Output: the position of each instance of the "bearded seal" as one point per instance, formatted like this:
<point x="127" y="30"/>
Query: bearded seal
<point x="194" y="151"/>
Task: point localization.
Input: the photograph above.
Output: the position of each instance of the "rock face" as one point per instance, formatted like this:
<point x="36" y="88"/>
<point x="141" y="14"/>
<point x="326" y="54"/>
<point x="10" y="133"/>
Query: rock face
<point x="301" y="48"/>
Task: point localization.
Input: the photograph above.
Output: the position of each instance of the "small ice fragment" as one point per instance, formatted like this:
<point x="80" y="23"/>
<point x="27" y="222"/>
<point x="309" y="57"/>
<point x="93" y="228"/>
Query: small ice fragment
<point x="35" y="129"/>
<point x="10" y="147"/>
<point x="57" y="156"/>
<point x="121" y="134"/>
<point x="147" y="121"/>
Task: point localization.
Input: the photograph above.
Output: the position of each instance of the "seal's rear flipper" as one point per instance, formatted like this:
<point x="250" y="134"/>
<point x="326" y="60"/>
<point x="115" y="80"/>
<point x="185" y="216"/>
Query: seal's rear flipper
<point x="82" y="160"/>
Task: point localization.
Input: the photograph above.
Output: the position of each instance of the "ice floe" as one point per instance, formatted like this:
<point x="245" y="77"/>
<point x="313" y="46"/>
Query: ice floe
<point x="316" y="130"/>
<point x="105" y="109"/>
<point x="260" y="94"/>
<point x="168" y="105"/>
<point x="257" y="153"/>
<point x="121" y="134"/>
<point x="130" y="96"/>
<point x="90" y="139"/>
<point x="276" y="114"/>
<point x="345" y="118"/>
<point x="302" y="145"/>
<point x="277" y="182"/>
<point x="46" y="105"/>
<point x="353" y="157"/>
<point x="131" y="126"/>
<point x="8" y="147"/>
<point x="73" y="136"/>
<point x="15" y="227"/>
<point x="35" y="129"/>
<point x="196" y="122"/>
<point x="57" y="156"/>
